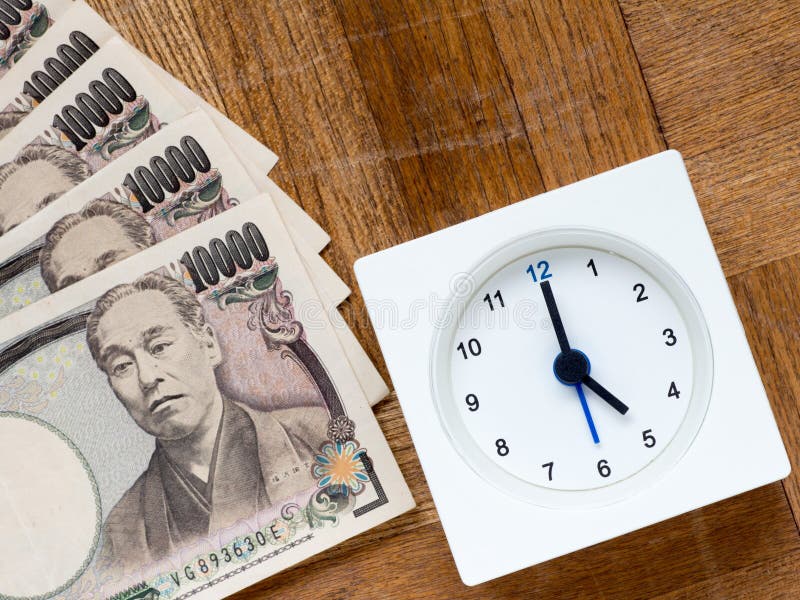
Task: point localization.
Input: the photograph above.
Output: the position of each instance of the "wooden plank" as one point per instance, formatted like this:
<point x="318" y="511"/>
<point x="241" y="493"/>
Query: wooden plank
<point x="167" y="33"/>
<point x="718" y="72"/>
<point x="725" y="81"/>
<point x="710" y="543"/>
<point x="443" y="101"/>
<point x="781" y="573"/>
<point x="749" y="198"/>
<point x="769" y="307"/>
<point x="577" y="84"/>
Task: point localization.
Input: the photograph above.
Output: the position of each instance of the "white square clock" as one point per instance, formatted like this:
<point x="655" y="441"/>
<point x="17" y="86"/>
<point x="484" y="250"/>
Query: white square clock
<point x="573" y="363"/>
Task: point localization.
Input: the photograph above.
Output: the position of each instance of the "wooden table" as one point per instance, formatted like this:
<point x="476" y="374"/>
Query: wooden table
<point x="394" y="119"/>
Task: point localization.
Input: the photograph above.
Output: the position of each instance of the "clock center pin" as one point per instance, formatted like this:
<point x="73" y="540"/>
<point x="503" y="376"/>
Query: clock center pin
<point x="571" y="367"/>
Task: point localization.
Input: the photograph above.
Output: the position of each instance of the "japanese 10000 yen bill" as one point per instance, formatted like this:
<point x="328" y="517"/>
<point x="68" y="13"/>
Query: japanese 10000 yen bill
<point x="22" y="24"/>
<point x="109" y="105"/>
<point x="173" y="429"/>
<point x="184" y="174"/>
<point x="77" y="36"/>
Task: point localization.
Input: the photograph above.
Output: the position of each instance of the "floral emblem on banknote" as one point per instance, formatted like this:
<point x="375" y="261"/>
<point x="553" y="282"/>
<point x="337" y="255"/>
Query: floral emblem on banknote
<point x="339" y="466"/>
<point x="32" y="24"/>
<point x="341" y="429"/>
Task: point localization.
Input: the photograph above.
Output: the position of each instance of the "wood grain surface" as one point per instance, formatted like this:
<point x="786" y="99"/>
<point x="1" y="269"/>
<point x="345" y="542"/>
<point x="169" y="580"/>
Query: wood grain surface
<point x="396" y="118"/>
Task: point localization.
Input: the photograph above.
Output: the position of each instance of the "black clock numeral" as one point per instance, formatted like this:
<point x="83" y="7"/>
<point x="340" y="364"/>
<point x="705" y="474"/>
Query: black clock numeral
<point x="502" y="447"/>
<point x="473" y="345"/>
<point x="549" y="467"/>
<point x="670" y="335"/>
<point x="648" y="438"/>
<point x="673" y="391"/>
<point x="591" y="265"/>
<point x="641" y="297"/>
<point x="472" y="402"/>
<point x="497" y="296"/>
<point x="603" y="468"/>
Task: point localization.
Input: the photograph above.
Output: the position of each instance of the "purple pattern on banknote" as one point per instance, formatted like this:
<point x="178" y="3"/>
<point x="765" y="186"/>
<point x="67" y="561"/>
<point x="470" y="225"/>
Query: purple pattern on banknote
<point x="32" y="23"/>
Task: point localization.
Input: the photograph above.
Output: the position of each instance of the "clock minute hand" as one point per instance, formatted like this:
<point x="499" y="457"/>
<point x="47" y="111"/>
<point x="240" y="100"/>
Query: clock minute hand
<point x="598" y="389"/>
<point x="552" y="308"/>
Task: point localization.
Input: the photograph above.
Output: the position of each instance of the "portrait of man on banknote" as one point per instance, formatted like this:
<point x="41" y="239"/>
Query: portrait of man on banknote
<point x="216" y="460"/>
<point x="80" y="244"/>
<point x="39" y="174"/>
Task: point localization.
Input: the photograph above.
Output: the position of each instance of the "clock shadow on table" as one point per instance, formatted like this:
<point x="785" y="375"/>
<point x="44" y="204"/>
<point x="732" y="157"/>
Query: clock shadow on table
<point x="696" y="555"/>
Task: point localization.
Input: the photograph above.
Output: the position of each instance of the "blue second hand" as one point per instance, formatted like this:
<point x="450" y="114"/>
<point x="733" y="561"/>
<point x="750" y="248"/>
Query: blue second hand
<point x="586" y="412"/>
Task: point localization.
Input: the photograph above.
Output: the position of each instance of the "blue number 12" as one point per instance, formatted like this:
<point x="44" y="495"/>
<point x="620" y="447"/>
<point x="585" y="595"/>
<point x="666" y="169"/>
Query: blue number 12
<point x="544" y="268"/>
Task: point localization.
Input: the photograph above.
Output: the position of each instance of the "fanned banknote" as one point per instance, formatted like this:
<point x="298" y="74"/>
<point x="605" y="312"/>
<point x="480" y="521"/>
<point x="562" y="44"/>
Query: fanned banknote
<point x="22" y="24"/>
<point x="172" y="427"/>
<point x="110" y="105"/>
<point x="75" y="38"/>
<point x="184" y="174"/>
<point x="60" y="52"/>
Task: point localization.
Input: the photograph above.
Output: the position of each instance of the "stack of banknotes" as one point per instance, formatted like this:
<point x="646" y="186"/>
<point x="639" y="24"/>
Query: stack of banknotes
<point x="183" y="412"/>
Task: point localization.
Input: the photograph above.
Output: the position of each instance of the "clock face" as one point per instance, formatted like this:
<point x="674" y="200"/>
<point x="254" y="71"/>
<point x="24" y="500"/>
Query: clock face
<point x="575" y="369"/>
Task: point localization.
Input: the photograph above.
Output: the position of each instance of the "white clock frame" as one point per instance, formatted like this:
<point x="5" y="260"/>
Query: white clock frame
<point x="737" y="448"/>
<point x="700" y="342"/>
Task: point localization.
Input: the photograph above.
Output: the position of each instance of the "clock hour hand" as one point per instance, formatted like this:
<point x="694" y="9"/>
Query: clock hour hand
<point x="552" y="308"/>
<point x="598" y="389"/>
